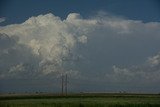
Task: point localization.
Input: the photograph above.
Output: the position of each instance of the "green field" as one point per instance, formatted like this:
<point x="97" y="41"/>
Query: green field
<point x="81" y="100"/>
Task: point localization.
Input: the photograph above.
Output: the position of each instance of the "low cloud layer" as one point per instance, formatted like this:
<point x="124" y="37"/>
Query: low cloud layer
<point x="2" y="20"/>
<point x="148" y="72"/>
<point x="103" y="47"/>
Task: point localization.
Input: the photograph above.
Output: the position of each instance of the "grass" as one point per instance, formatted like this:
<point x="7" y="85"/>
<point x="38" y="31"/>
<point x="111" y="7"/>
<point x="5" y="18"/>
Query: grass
<point x="81" y="100"/>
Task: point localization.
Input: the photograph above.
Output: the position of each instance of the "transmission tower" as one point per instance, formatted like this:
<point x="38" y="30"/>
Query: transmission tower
<point x="64" y="84"/>
<point x="66" y="81"/>
<point x="64" y="76"/>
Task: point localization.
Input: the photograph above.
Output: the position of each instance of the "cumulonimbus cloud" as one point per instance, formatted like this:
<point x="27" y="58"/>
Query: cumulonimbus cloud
<point x="44" y="44"/>
<point x="49" y="41"/>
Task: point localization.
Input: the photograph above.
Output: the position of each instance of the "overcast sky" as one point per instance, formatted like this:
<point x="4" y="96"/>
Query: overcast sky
<point x="103" y="45"/>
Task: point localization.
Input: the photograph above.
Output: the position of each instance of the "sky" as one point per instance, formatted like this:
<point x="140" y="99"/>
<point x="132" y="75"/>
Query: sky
<point x="102" y="45"/>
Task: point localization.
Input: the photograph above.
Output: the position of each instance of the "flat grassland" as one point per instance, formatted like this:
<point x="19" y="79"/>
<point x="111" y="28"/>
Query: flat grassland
<point x="81" y="100"/>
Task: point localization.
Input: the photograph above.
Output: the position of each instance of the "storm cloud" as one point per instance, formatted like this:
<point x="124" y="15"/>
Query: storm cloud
<point x="99" y="48"/>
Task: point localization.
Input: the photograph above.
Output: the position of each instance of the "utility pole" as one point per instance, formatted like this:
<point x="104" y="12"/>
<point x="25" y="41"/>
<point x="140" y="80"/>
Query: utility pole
<point x="64" y="84"/>
<point x="66" y="81"/>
